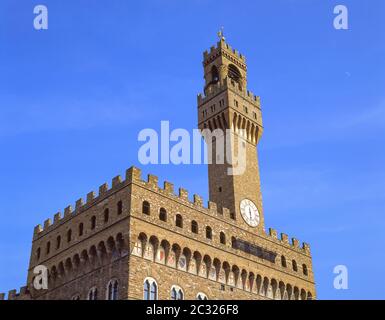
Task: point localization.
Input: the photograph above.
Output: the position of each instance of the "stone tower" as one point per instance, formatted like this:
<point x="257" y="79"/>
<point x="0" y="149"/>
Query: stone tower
<point x="227" y="105"/>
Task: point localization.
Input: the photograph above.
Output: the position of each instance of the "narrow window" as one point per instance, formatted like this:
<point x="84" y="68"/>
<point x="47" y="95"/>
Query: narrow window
<point x="304" y="268"/>
<point x="146" y="207"/>
<point x="179" y="221"/>
<point x="283" y="261"/>
<point x="120" y="207"/>
<point x="112" y="290"/>
<point x="38" y="253"/>
<point x="58" y="242"/>
<point x="93" y="294"/>
<point x="176" y="293"/>
<point x="48" y="247"/>
<point x="106" y="215"/>
<point x="222" y="237"/>
<point x="295" y="268"/>
<point x="69" y="235"/>
<point x="163" y="214"/>
<point x="93" y="222"/>
<point x="81" y="227"/>
<point x="194" y="226"/>
<point x="209" y="233"/>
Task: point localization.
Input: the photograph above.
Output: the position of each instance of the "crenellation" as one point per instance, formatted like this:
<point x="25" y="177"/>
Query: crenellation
<point x="37" y="230"/>
<point x="79" y="204"/>
<point x="295" y="243"/>
<point x="212" y="206"/>
<point x="168" y="187"/>
<point x="183" y="194"/>
<point x="133" y="174"/>
<point x="273" y="233"/>
<point x="285" y="238"/>
<point x="47" y="223"/>
<point x="12" y="294"/>
<point x="68" y="212"/>
<point x="56" y="217"/>
<point x="306" y="247"/>
<point x="91" y="197"/>
<point x="2" y="296"/>
<point x="116" y="181"/>
<point x="198" y="200"/>
<point x="152" y="181"/>
<point x="103" y="189"/>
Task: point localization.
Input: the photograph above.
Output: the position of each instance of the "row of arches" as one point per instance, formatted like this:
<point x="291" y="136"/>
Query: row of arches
<point x="97" y="255"/>
<point x="245" y="127"/>
<point x="187" y="260"/>
<point x="208" y="233"/>
<point x="93" y="222"/>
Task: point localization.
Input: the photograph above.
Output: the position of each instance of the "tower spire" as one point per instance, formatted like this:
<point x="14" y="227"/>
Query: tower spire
<point x="221" y="34"/>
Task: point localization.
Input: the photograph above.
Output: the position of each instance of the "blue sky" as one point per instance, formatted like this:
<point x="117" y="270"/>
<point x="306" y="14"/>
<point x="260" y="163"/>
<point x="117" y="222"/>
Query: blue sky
<point x="74" y="97"/>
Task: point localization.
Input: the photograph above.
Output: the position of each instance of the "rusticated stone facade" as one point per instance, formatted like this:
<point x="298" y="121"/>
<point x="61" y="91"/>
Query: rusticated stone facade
<point x="138" y="240"/>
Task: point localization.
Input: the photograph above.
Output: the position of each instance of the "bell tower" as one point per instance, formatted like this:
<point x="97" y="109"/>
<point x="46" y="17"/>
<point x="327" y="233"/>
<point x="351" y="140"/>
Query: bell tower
<point x="227" y="107"/>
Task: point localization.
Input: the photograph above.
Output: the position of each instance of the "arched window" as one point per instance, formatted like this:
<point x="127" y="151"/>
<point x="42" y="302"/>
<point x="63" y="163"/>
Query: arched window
<point x="38" y="253"/>
<point x="112" y="290"/>
<point x="304" y="269"/>
<point x="209" y="233"/>
<point x="58" y="242"/>
<point x="194" y="226"/>
<point x="201" y="296"/>
<point x="222" y="238"/>
<point x="234" y="243"/>
<point x="75" y="297"/>
<point x="48" y="247"/>
<point x="295" y="268"/>
<point x="146" y="207"/>
<point x="283" y="261"/>
<point x="93" y="294"/>
<point x="120" y="207"/>
<point x="163" y="214"/>
<point x="69" y="235"/>
<point x="150" y="289"/>
<point x="106" y="215"/>
<point x="93" y="222"/>
<point x="234" y="73"/>
<point x="177" y="293"/>
<point x="179" y="221"/>
<point x="81" y="227"/>
<point x="214" y="74"/>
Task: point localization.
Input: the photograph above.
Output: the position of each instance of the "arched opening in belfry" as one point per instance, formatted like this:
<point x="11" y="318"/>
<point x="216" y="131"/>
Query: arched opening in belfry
<point x="234" y="74"/>
<point x="214" y="74"/>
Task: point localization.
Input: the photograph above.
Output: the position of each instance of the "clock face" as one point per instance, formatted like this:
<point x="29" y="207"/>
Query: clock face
<point x="249" y="212"/>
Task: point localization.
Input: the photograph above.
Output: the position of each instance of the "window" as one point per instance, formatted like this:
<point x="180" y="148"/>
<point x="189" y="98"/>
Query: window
<point x="295" y="268"/>
<point x="106" y="215"/>
<point x="176" y="293"/>
<point x="214" y="74"/>
<point x="245" y="109"/>
<point x="146" y="207"/>
<point x="254" y="115"/>
<point x="236" y="103"/>
<point x="232" y="215"/>
<point x="209" y="233"/>
<point x="48" y="247"/>
<point x="93" y="222"/>
<point x="194" y="226"/>
<point x="69" y="235"/>
<point x="222" y="238"/>
<point x="81" y="227"/>
<point x="234" y="73"/>
<point x="120" y="207"/>
<point x="112" y="290"/>
<point x="75" y="297"/>
<point x="150" y="289"/>
<point x="93" y="294"/>
<point x="38" y="253"/>
<point x="201" y="296"/>
<point x="163" y="214"/>
<point x="58" y="242"/>
<point x="179" y="221"/>
<point x="304" y="269"/>
<point x="283" y="261"/>
<point x="220" y="189"/>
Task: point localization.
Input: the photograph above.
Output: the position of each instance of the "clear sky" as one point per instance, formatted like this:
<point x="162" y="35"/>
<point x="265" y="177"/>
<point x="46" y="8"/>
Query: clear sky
<point x="74" y="97"/>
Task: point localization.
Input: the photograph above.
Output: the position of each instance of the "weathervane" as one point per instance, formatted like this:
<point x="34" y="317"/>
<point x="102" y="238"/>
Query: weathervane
<point x="221" y="34"/>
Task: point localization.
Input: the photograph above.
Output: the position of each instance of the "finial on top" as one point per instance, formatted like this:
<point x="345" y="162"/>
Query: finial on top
<point x="221" y="35"/>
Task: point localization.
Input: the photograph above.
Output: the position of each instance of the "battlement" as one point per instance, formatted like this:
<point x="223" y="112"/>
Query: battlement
<point x="228" y="84"/>
<point x="23" y="294"/>
<point x="134" y="175"/>
<point x="222" y="46"/>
